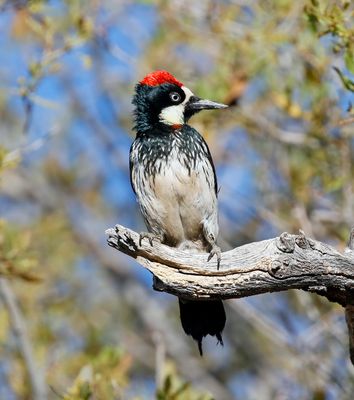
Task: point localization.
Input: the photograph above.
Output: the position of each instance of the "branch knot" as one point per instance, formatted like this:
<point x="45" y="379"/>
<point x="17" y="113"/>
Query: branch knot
<point x="286" y="243"/>
<point x="301" y="240"/>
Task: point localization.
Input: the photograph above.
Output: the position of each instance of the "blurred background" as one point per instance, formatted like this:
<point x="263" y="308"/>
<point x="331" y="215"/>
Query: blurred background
<point x="79" y="320"/>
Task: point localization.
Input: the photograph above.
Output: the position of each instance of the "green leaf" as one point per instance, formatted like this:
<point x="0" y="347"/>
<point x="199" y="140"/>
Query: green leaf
<point x="85" y="391"/>
<point x="347" y="83"/>
<point x="349" y="60"/>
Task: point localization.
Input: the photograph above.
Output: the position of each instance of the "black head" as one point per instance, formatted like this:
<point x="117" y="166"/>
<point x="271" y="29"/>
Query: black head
<point x="161" y="98"/>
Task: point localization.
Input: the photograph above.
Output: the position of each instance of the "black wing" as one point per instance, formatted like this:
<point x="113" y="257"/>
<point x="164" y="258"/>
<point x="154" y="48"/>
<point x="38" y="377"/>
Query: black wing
<point x="213" y="166"/>
<point x="204" y="145"/>
<point x="132" y="148"/>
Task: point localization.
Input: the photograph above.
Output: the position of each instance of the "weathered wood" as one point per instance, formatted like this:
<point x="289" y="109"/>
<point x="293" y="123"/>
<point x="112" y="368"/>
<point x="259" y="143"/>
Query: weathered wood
<point x="274" y="265"/>
<point x="286" y="262"/>
<point x="349" y="309"/>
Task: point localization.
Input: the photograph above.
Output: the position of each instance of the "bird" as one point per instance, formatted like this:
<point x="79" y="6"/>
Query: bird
<point x="173" y="177"/>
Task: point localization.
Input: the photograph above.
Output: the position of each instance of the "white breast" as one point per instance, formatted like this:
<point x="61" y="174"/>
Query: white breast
<point x="178" y="202"/>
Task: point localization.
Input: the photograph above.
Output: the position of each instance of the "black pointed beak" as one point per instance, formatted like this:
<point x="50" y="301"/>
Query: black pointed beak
<point x="196" y="104"/>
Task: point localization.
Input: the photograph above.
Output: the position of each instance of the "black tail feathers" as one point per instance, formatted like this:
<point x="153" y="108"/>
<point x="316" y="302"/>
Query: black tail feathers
<point x="201" y="318"/>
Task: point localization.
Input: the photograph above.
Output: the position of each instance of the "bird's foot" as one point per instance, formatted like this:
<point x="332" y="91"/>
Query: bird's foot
<point x="150" y="237"/>
<point x="215" y="251"/>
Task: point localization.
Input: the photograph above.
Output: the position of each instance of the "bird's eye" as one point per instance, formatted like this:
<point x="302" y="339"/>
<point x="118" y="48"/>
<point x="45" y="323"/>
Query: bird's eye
<point x="175" y="97"/>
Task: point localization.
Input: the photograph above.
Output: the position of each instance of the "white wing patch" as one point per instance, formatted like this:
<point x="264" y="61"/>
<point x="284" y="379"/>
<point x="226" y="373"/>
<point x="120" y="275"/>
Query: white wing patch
<point x="174" y="115"/>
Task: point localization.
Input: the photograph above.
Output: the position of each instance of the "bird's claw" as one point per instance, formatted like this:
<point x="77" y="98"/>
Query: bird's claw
<point x="215" y="251"/>
<point x="150" y="236"/>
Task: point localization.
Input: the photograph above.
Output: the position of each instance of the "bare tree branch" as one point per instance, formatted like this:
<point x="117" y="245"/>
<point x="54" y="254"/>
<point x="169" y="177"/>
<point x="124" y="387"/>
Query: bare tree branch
<point x="278" y="264"/>
<point x="286" y="262"/>
<point x="160" y="359"/>
<point x="36" y="378"/>
<point x="349" y="309"/>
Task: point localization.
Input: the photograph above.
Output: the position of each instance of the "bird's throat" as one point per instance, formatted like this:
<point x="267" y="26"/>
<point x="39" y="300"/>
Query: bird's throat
<point x="173" y="115"/>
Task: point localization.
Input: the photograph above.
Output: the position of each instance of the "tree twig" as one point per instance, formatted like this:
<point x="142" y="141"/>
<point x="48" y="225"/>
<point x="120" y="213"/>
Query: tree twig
<point x="37" y="382"/>
<point x="346" y="121"/>
<point x="160" y="359"/>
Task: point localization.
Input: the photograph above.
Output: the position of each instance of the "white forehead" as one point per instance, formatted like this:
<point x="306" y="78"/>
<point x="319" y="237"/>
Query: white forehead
<point x="188" y="94"/>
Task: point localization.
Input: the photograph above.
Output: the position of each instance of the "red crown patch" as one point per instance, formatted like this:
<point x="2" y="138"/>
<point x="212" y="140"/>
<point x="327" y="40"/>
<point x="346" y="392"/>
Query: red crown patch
<point x="158" y="78"/>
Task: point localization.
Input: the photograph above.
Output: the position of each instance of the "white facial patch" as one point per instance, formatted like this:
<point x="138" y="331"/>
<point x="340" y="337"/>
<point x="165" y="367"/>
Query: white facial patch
<point x="174" y="115"/>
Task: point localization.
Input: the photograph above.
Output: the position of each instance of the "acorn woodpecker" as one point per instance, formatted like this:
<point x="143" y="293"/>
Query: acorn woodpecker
<point x="173" y="176"/>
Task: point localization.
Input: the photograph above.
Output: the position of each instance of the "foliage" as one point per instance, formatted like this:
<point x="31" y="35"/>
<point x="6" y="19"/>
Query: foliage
<point x="103" y="378"/>
<point x="174" y="388"/>
<point x="284" y="159"/>
<point x="15" y="248"/>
